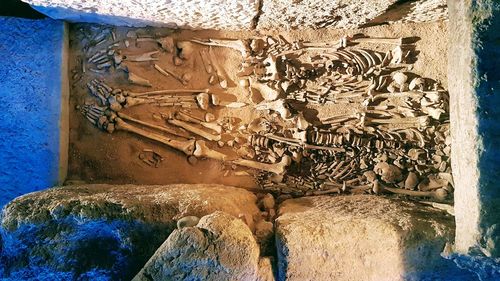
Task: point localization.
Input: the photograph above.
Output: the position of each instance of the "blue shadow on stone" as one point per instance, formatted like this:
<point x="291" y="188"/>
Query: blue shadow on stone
<point x="73" y="248"/>
<point x="484" y="268"/>
<point x="31" y="54"/>
<point x="90" y="16"/>
<point x="486" y="20"/>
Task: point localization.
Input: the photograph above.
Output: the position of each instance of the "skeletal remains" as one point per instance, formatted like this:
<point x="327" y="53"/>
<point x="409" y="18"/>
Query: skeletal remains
<point x="394" y="140"/>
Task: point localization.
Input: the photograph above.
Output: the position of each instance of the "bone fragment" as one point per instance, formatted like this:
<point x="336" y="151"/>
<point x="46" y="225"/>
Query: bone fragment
<point x="219" y="72"/>
<point x="176" y="76"/>
<point x="166" y="43"/>
<point x="161" y="70"/>
<point x="135" y="79"/>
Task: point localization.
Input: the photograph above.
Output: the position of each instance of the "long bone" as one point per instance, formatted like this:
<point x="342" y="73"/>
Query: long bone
<point x="420" y="121"/>
<point x="141" y="58"/>
<point x="186" y="146"/>
<point x="379" y="40"/>
<point x="235" y="44"/>
<point x="159" y="128"/>
<point x="202" y="150"/>
<point x="219" y="72"/>
<point x="185" y="117"/>
<point x="195" y="130"/>
<point x="439" y="194"/>
<point x="277" y="168"/>
<point x="162" y="92"/>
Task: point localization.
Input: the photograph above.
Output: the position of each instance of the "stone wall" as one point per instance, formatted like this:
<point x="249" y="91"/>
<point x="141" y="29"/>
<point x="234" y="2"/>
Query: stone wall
<point x="473" y="81"/>
<point x="33" y="131"/>
<point x="242" y="15"/>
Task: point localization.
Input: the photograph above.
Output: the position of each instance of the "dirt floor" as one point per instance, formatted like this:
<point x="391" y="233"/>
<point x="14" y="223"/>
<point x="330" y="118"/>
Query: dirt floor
<point x="99" y="157"/>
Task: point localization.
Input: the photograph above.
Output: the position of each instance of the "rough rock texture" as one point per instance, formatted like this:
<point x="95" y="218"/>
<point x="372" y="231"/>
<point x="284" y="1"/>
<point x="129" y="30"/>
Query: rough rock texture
<point x="196" y="14"/>
<point x="427" y="11"/>
<point x="104" y="231"/>
<point x="31" y="76"/>
<point x="299" y="14"/>
<point x="221" y="247"/>
<point x="474" y="79"/>
<point x="239" y="14"/>
<point x="361" y="238"/>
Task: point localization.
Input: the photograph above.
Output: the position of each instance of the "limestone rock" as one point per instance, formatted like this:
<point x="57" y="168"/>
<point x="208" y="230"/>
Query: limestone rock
<point x="361" y="237"/>
<point x="301" y="14"/>
<point x="110" y="229"/>
<point x="196" y="14"/>
<point x="221" y="247"/>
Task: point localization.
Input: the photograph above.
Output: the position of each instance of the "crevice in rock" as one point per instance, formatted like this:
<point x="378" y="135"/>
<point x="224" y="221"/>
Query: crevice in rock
<point x="395" y="12"/>
<point x="255" y="21"/>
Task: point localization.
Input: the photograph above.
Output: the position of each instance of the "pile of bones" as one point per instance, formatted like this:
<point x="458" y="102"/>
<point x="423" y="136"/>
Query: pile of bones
<point x="395" y="140"/>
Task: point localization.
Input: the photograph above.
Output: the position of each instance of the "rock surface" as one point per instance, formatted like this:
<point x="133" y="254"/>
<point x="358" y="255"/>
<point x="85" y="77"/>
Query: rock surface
<point x="243" y="15"/>
<point x="196" y="14"/>
<point x="31" y="87"/>
<point x="103" y="230"/>
<point x="473" y="77"/>
<point x="221" y="247"/>
<point x="300" y="14"/>
<point x="361" y="238"/>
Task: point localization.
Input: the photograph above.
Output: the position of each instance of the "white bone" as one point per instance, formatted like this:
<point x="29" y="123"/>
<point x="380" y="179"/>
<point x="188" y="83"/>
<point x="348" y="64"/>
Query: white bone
<point x="379" y="40"/>
<point x="186" y="146"/>
<point x="238" y="45"/>
<point x="136" y="79"/>
<point x="277" y="105"/>
<point x="202" y="150"/>
<point x="159" y="128"/>
<point x="142" y="57"/>
<point x="277" y="168"/>
<point x="194" y="130"/>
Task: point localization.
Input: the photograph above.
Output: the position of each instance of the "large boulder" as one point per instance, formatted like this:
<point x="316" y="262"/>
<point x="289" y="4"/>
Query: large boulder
<point x="220" y="247"/>
<point x="89" y="232"/>
<point x="361" y="238"/>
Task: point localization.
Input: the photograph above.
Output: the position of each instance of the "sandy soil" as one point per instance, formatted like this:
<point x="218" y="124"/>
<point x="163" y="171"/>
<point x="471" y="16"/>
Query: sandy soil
<point x="99" y="157"/>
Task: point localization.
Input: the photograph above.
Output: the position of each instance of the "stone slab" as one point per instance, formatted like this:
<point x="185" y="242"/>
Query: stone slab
<point x="302" y="14"/>
<point x="33" y="96"/>
<point x="474" y="58"/>
<point x="220" y="247"/>
<point x="361" y="237"/>
<point x="191" y="14"/>
<point x="88" y="232"/>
